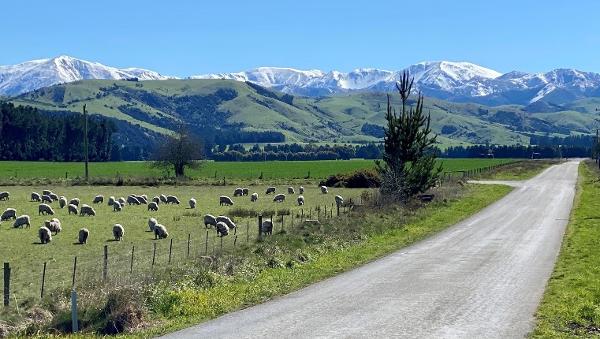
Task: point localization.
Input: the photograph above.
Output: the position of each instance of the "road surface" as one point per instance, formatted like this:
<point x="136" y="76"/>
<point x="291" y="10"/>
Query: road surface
<point x="481" y="278"/>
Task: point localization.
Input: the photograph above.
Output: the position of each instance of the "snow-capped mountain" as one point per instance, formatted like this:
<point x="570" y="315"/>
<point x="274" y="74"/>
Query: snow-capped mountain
<point x="454" y="81"/>
<point x="31" y="75"/>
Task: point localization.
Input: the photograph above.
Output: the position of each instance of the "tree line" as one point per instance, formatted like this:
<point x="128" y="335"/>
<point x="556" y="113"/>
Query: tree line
<point x="295" y="152"/>
<point x="27" y="134"/>
<point x="517" y="151"/>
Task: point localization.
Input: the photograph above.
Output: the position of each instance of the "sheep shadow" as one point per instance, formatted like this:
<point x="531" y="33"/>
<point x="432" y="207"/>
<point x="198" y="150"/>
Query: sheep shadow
<point x="111" y="240"/>
<point x="78" y="243"/>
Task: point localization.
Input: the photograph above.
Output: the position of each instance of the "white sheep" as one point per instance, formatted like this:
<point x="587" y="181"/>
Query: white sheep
<point x="210" y="219"/>
<point x="46" y="198"/>
<point x="254" y="197"/>
<point x="301" y="189"/>
<point x="339" y="201"/>
<point x="324" y="189"/>
<point x="160" y="232"/>
<point x="46" y="192"/>
<point x="45" y="210"/>
<point x="222" y="229"/>
<point x="245" y="191"/>
<point x="131" y="200"/>
<point x="300" y="200"/>
<point x="72" y="209"/>
<point x="36" y="197"/>
<point x="153" y="207"/>
<point x="118" y="232"/>
<point x="238" y="192"/>
<point x="86" y="210"/>
<point x="142" y="199"/>
<point x="10" y="213"/>
<point x="291" y="190"/>
<point x="225" y="200"/>
<point x="192" y="203"/>
<point x="270" y="190"/>
<point x="83" y="235"/>
<point x="267" y="227"/>
<point x="122" y="201"/>
<point x="74" y="201"/>
<point x="145" y="197"/>
<point x="53" y="196"/>
<point x="62" y="202"/>
<point x="156" y="199"/>
<point x="117" y="206"/>
<point x="111" y="200"/>
<point x="226" y="220"/>
<point x="279" y="198"/>
<point x="152" y="222"/>
<point x="23" y="220"/>
<point x="45" y="235"/>
<point x="171" y="199"/>
<point x="4" y="196"/>
<point x="98" y="199"/>
<point x="163" y="198"/>
<point x="53" y="225"/>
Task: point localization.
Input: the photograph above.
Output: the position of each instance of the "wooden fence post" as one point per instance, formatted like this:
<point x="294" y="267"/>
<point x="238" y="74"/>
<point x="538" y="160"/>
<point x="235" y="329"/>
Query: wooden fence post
<point x="170" y="249"/>
<point x="188" y="245"/>
<point x="260" y="221"/>
<point x="74" y="320"/>
<point x="247" y="231"/>
<point x="131" y="264"/>
<point x="6" y="284"/>
<point x="282" y="227"/>
<point x="153" y="253"/>
<point x="43" y="280"/>
<point x="105" y="266"/>
<point x="74" y="272"/>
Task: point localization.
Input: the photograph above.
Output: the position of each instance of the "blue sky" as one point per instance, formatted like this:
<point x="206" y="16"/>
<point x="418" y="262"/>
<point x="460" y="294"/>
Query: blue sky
<point x="193" y="37"/>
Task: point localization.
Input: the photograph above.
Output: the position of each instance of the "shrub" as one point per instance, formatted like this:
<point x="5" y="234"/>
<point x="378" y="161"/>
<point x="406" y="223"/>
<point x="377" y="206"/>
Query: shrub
<point x="364" y="178"/>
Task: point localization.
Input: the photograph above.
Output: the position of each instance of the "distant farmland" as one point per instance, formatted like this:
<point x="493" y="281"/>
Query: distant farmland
<point x="231" y="170"/>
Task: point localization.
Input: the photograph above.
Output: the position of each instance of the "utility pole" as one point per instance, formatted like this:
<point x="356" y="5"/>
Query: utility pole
<point x="85" y="143"/>
<point x="597" y="147"/>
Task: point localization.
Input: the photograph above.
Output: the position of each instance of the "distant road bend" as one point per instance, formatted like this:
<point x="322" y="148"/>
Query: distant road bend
<point x="481" y="278"/>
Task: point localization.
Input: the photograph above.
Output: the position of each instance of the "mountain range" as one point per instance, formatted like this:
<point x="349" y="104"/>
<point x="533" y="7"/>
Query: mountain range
<point x="451" y="81"/>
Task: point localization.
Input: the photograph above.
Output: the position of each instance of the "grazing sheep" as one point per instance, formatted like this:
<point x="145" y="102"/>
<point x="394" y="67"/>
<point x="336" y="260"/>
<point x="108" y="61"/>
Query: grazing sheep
<point x="156" y="199"/>
<point x="117" y="206"/>
<point x="4" y="196"/>
<point x="152" y="223"/>
<point x="163" y="198"/>
<point x="267" y="227"/>
<point x="192" y="203"/>
<point x="87" y="210"/>
<point x="142" y="199"/>
<point x="131" y="200"/>
<point x="46" y="198"/>
<point x="254" y="197"/>
<point x="36" y="197"/>
<point x="21" y="221"/>
<point x="238" y="192"/>
<point x="160" y="232"/>
<point x="72" y="209"/>
<point x="83" y="235"/>
<point x="111" y="200"/>
<point x="46" y="192"/>
<point x="45" y="235"/>
<point x="118" y="232"/>
<point x="53" y="225"/>
<point x="53" y="196"/>
<point x="145" y="197"/>
<point x="210" y="219"/>
<point x="300" y="200"/>
<point x="245" y="191"/>
<point x="225" y="220"/>
<point x="153" y="206"/>
<point x="10" y="213"/>
<point x="62" y="202"/>
<point x="45" y="209"/>
<point x="222" y="229"/>
<point x="122" y="201"/>
<point x="270" y="190"/>
<point x="98" y="199"/>
<point x="291" y="190"/>
<point x="279" y="198"/>
<point x="324" y="189"/>
<point x="171" y="199"/>
<point x="225" y="200"/>
<point x="74" y="201"/>
<point x="339" y="201"/>
<point x="301" y="189"/>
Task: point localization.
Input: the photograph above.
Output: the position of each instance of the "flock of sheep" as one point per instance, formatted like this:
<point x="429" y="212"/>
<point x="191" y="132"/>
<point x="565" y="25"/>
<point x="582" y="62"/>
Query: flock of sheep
<point x="222" y="224"/>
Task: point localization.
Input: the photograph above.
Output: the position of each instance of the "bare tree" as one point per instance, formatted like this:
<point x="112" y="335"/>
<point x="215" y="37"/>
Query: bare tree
<point x="179" y="152"/>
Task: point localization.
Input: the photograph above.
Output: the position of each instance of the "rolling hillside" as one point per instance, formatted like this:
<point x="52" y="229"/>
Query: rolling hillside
<point x="162" y="105"/>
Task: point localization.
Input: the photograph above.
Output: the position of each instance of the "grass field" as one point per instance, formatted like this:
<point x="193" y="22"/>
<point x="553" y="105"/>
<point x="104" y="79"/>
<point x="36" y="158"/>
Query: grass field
<point x="570" y="307"/>
<point x="216" y="170"/>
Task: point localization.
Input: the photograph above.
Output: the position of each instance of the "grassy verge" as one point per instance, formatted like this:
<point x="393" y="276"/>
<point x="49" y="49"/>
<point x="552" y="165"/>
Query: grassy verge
<point x="571" y="304"/>
<point x="521" y="170"/>
<point x="184" y="305"/>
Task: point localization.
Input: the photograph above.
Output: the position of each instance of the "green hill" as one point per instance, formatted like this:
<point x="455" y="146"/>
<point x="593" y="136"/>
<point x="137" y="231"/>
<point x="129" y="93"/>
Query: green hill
<point x="161" y="106"/>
